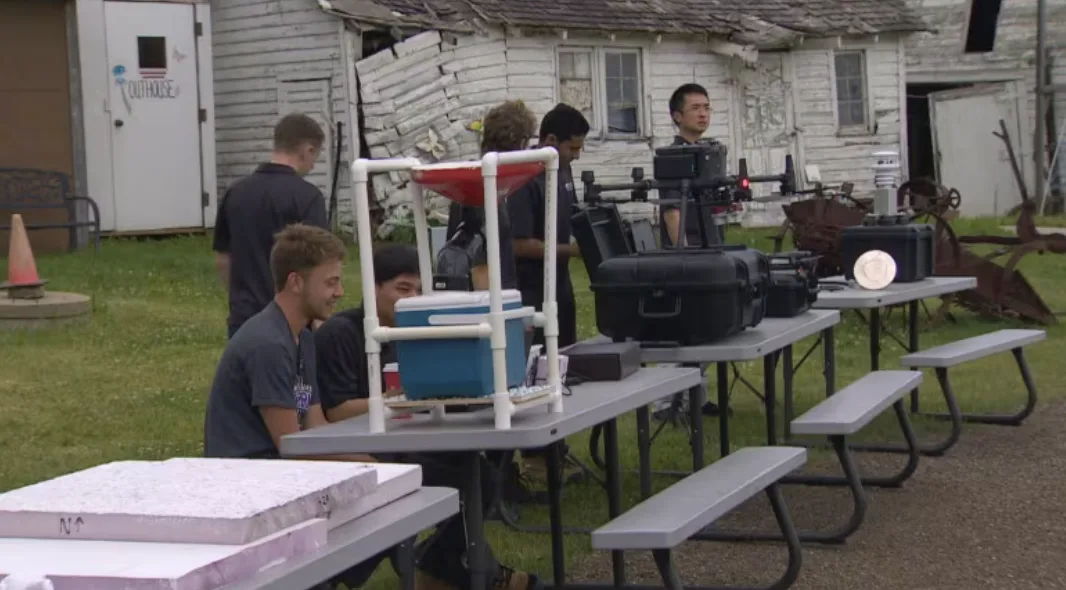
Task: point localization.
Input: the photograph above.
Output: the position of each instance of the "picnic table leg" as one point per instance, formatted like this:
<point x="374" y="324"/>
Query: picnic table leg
<point x="786" y="377"/>
<point x="912" y="344"/>
<point x="827" y="341"/>
<point x="695" y="418"/>
<point x="769" y="385"/>
<point x="555" y="515"/>
<point x="875" y="339"/>
<point x="644" y="450"/>
<point x="474" y="520"/>
<point x="829" y="363"/>
<point x="723" y="408"/>
<point x="406" y="557"/>
<point x="614" y="495"/>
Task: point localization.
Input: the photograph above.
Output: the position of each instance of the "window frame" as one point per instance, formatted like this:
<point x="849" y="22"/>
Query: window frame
<point x="867" y="126"/>
<point x="598" y="69"/>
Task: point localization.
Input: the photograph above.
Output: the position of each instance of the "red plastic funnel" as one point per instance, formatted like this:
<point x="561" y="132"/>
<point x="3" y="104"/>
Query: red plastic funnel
<point x="462" y="181"/>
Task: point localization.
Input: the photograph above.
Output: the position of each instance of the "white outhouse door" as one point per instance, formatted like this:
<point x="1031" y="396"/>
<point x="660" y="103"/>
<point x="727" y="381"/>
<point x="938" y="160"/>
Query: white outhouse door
<point x="968" y="156"/>
<point x="155" y="115"/>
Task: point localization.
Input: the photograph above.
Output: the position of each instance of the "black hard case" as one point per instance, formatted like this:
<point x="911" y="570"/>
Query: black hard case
<point x="600" y="235"/>
<point x="680" y="298"/>
<point x="793" y="284"/>
<point x="911" y="245"/>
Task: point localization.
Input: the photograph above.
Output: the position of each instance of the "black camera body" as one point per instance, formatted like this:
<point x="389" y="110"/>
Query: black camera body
<point x="701" y="163"/>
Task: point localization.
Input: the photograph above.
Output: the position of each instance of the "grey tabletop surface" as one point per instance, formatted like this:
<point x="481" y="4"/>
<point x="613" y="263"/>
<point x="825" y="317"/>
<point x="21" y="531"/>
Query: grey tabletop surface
<point x="753" y="343"/>
<point x="358" y="540"/>
<point x="588" y="404"/>
<point x="857" y="298"/>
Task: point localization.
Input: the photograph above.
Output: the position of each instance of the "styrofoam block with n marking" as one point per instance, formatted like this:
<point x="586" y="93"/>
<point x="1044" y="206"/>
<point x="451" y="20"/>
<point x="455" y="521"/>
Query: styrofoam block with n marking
<point x="218" y="501"/>
<point x="121" y="565"/>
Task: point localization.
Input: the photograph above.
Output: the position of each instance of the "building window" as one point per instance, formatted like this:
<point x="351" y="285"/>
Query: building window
<point x="605" y="85"/>
<point x="852" y="102"/>
<point x="152" y="56"/>
<point x="981" y="31"/>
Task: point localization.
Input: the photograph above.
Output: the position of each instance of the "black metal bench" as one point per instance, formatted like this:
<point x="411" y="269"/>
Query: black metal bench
<point x="944" y="357"/>
<point x="35" y="190"/>
<point x="676" y="514"/>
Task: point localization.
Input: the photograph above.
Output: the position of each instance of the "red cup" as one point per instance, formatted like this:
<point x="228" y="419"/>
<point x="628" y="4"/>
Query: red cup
<point x="392" y="377"/>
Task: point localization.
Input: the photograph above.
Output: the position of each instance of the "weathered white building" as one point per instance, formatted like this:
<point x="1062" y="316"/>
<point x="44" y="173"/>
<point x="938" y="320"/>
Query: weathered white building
<point x="822" y="79"/>
<point x="976" y="66"/>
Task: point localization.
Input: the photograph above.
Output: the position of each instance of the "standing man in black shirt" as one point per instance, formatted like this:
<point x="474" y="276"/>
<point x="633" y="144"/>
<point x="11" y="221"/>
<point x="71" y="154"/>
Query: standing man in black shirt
<point x="563" y="128"/>
<point x="342" y="371"/>
<point x="690" y="109"/>
<point x="258" y="206"/>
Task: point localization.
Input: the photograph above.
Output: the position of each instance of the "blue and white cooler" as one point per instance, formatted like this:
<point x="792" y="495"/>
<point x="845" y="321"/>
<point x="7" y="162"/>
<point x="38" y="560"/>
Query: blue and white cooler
<point x="456" y="367"/>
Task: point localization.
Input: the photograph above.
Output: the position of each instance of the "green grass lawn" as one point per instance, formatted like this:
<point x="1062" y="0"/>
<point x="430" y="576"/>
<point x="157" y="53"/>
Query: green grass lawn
<point x="131" y="383"/>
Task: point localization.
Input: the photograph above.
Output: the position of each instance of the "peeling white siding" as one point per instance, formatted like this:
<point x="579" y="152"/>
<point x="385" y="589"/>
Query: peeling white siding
<point x="841" y="157"/>
<point x="420" y="97"/>
<point x="785" y="105"/>
<point x="940" y="56"/>
<point x="271" y="56"/>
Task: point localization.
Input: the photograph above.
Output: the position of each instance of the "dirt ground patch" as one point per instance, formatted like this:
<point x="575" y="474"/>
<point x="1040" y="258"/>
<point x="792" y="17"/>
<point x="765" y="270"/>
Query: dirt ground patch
<point x="988" y="515"/>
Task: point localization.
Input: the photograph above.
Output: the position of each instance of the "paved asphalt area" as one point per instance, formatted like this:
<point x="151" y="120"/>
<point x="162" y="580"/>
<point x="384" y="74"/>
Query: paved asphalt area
<point x="989" y="515"/>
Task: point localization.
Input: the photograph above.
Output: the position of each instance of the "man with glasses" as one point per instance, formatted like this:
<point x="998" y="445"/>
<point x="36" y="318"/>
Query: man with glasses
<point x="690" y="109"/>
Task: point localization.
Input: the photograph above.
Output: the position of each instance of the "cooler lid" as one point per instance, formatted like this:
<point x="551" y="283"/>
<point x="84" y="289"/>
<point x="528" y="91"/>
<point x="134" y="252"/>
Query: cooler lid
<point x="454" y="300"/>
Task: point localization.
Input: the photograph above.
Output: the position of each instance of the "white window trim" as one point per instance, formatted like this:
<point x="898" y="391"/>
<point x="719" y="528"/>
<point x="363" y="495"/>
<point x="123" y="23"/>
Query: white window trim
<point x="599" y="88"/>
<point x="870" y="125"/>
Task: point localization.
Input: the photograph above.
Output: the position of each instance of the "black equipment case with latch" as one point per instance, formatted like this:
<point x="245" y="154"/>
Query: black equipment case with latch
<point x="911" y="245"/>
<point x="600" y="235"/>
<point x="671" y="298"/>
<point x="793" y="284"/>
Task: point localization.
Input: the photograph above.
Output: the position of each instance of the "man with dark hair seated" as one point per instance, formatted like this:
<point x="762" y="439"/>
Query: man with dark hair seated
<point x="343" y="378"/>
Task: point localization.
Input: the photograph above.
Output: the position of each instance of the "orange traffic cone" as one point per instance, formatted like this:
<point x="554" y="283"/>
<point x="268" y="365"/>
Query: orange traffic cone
<point x="22" y="278"/>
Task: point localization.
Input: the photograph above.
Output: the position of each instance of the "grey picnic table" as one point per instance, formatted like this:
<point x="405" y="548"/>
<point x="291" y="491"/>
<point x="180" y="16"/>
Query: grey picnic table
<point x="860" y="300"/>
<point x="588" y="405"/>
<point x="773" y="337"/>
<point x="359" y="540"/>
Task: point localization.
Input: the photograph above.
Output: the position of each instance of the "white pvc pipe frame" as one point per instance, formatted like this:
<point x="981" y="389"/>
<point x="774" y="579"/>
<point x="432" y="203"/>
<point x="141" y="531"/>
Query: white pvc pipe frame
<point x="503" y="407"/>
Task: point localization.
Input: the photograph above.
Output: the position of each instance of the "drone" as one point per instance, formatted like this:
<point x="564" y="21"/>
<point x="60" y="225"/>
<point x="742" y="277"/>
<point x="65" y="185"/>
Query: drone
<point x="686" y="170"/>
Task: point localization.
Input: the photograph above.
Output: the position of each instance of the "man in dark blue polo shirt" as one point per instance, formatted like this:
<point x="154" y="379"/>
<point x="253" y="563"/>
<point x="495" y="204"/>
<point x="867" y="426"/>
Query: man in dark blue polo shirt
<point x="690" y="109"/>
<point x="258" y="206"/>
<point x="563" y="128"/>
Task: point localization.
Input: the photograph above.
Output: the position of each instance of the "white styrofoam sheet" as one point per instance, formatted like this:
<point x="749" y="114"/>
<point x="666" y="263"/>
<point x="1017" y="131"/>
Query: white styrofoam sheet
<point x="394" y="482"/>
<point x="119" y="565"/>
<point x="188" y="500"/>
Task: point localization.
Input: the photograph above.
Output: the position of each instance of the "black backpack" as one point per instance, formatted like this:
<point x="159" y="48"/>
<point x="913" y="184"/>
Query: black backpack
<point x="456" y="259"/>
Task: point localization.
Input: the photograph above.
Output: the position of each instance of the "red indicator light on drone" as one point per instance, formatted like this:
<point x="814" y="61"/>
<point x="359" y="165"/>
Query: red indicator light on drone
<point x="745" y="183"/>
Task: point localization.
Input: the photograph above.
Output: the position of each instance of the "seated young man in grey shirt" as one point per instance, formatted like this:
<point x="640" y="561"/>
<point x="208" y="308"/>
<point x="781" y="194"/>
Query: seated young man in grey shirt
<point x="266" y="384"/>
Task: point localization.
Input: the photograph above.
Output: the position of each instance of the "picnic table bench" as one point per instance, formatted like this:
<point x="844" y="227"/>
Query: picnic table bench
<point x="838" y="417"/>
<point x="947" y="356"/>
<point x="665" y="520"/>
<point x="35" y="190"/>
